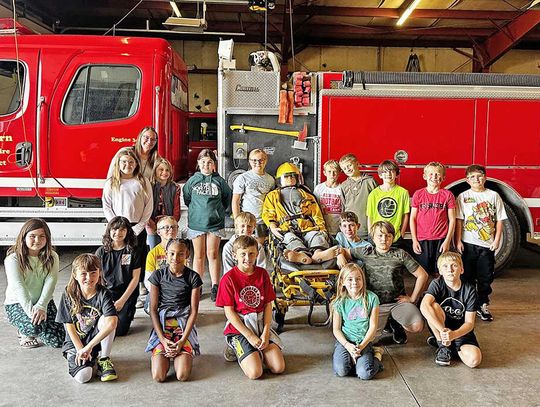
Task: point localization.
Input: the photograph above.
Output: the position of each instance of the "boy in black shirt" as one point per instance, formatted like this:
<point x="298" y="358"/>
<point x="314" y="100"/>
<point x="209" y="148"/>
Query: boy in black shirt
<point x="449" y="307"/>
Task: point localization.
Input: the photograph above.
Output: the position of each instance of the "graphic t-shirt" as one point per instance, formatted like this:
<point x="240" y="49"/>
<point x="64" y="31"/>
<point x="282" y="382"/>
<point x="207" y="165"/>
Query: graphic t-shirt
<point x="432" y="213"/>
<point x="247" y="293"/>
<point x="355" y="317"/>
<point x="332" y="203"/>
<point x="454" y="303"/>
<point x="479" y="211"/>
<point x="356" y="193"/>
<point x="86" y="321"/>
<point x="384" y="271"/>
<point x="175" y="292"/>
<point x="253" y="188"/>
<point x="118" y="266"/>
<point x="156" y="259"/>
<point x="389" y="206"/>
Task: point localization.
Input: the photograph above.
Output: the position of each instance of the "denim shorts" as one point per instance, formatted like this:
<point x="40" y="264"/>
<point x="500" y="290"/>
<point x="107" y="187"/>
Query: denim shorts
<point x="193" y="234"/>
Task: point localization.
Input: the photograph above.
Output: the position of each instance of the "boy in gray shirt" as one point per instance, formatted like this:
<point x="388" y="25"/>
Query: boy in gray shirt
<point x="250" y="189"/>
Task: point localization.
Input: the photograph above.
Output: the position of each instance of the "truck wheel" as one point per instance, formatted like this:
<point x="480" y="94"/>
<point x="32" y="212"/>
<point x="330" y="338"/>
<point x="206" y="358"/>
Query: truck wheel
<point x="510" y="242"/>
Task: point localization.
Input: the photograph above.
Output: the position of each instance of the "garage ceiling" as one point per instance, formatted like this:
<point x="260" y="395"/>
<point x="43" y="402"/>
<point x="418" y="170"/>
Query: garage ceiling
<point x="489" y="27"/>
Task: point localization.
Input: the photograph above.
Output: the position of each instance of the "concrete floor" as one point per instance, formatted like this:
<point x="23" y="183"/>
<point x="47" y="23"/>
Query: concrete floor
<point x="508" y="376"/>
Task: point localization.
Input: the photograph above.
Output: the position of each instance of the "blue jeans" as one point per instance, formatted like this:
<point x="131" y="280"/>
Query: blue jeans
<point x="367" y="366"/>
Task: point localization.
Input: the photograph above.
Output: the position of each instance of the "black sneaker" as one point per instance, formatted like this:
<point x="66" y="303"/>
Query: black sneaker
<point x="213" y="293"/>
<point x="432" y="341"/>
<point x="443" y="357"/>
<point x="399" y="336"/>
<point x="484" y="314"/>
<point x="105" y="369"/>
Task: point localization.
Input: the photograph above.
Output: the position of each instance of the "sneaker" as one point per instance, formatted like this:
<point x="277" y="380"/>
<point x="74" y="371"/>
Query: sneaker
<point x="432" y="341"/>
<point x="443" y="357"/>
<point x="484" y="314"/>
<point x="213" y="293"/>
<point x="229" y="354"/>
<point x="378" y="352"/>
<point x="398" y="333"/>
<point x="105" y="369"/>
<point x="140" y="302"/>
<point x="387" y="329"/>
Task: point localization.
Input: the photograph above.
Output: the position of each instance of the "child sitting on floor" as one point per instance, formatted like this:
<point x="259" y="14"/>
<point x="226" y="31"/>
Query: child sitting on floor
<point x="246" y="294"/>
<point x="89" y="316"/>
<point x="449" y="307"/>
<point x="174" y="305"/>
<point x="355" y="312"/>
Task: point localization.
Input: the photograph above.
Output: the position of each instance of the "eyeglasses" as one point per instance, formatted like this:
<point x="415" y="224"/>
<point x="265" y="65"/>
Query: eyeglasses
<point x="147" y="138"/>
<point x="168" y="227"/>
<point x="127" y="162"/>
<point x="253" y="160"/>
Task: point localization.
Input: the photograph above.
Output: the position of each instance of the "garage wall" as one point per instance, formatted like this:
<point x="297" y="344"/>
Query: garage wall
<point x="203" y="55"/>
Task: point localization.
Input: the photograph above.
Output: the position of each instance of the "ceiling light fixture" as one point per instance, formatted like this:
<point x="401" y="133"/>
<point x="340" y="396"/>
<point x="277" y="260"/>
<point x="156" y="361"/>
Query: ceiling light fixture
<point x="407" y="12"/>
<point x="188" y="24"/>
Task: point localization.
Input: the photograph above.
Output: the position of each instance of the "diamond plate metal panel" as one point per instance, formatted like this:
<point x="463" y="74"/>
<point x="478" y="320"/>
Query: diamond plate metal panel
<point x="247" y="89"/>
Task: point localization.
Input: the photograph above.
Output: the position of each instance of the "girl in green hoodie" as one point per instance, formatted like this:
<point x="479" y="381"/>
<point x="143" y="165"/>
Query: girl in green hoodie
<point x="207" y="197"/>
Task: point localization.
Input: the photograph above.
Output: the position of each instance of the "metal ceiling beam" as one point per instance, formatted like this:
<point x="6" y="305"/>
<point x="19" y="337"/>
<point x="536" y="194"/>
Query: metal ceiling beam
<point x="506" y="38"/>
<point x="234" y="6"/>
<point x="395" y="13"/>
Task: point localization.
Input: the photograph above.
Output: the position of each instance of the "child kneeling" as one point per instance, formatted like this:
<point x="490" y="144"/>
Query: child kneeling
<point x="246" y="294"/>
<point x="174" y="305"/>
<point x="355" y="316"/>
<point x="89" y="316"/>
<point x="453" y="323"/>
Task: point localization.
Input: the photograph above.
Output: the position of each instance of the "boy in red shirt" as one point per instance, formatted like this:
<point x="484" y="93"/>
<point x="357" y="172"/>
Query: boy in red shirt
<point x="246" y="295"/>
<point x="433" y="218"/>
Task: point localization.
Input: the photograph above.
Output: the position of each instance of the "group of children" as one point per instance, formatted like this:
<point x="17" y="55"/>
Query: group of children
<point x="330" y="225"/>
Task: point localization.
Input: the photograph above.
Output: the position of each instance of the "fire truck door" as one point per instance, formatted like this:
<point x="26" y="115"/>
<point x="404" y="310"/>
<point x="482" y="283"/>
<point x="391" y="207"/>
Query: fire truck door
<point x="19" y="86"/>
<point x="100" y="105"/>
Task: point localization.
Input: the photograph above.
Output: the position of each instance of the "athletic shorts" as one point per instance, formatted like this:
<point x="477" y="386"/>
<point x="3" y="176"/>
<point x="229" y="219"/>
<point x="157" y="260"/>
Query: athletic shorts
<point x="405" y="313"/>
<point x="73" y="368"/>
<point x="467" y="339"/>
<point x="173" y="332"/>
<point x="241" y="346"/>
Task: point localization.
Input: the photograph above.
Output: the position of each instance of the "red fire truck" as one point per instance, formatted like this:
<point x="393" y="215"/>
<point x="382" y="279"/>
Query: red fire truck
<point x="67" y="104"/>
<point x="414" y="118"/>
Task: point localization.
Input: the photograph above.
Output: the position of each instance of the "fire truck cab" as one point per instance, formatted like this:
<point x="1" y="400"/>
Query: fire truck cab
<point x="67" y="104"/>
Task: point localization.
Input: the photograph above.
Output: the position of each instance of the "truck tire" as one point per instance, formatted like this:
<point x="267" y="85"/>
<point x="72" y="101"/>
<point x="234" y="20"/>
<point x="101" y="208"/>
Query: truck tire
<point x="510" y="242"/>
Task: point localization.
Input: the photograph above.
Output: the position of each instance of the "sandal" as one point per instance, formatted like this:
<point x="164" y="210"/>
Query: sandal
<point x="27" y="342"/>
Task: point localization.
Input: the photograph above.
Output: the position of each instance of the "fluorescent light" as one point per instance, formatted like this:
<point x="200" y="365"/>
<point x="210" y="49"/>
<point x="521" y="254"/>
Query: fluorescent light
<point x="175" y="9"/>
<point x="408" y="12"/>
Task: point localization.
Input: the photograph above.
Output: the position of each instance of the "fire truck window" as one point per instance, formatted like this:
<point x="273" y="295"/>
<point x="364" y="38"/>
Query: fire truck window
<point x="102" y="93"/>
<point x="11" y="82"/>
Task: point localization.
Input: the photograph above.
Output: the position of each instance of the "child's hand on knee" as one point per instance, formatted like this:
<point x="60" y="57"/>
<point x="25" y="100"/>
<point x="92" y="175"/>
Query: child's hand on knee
<point x="83" y="355"/>
<point x="254" y="340"/>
